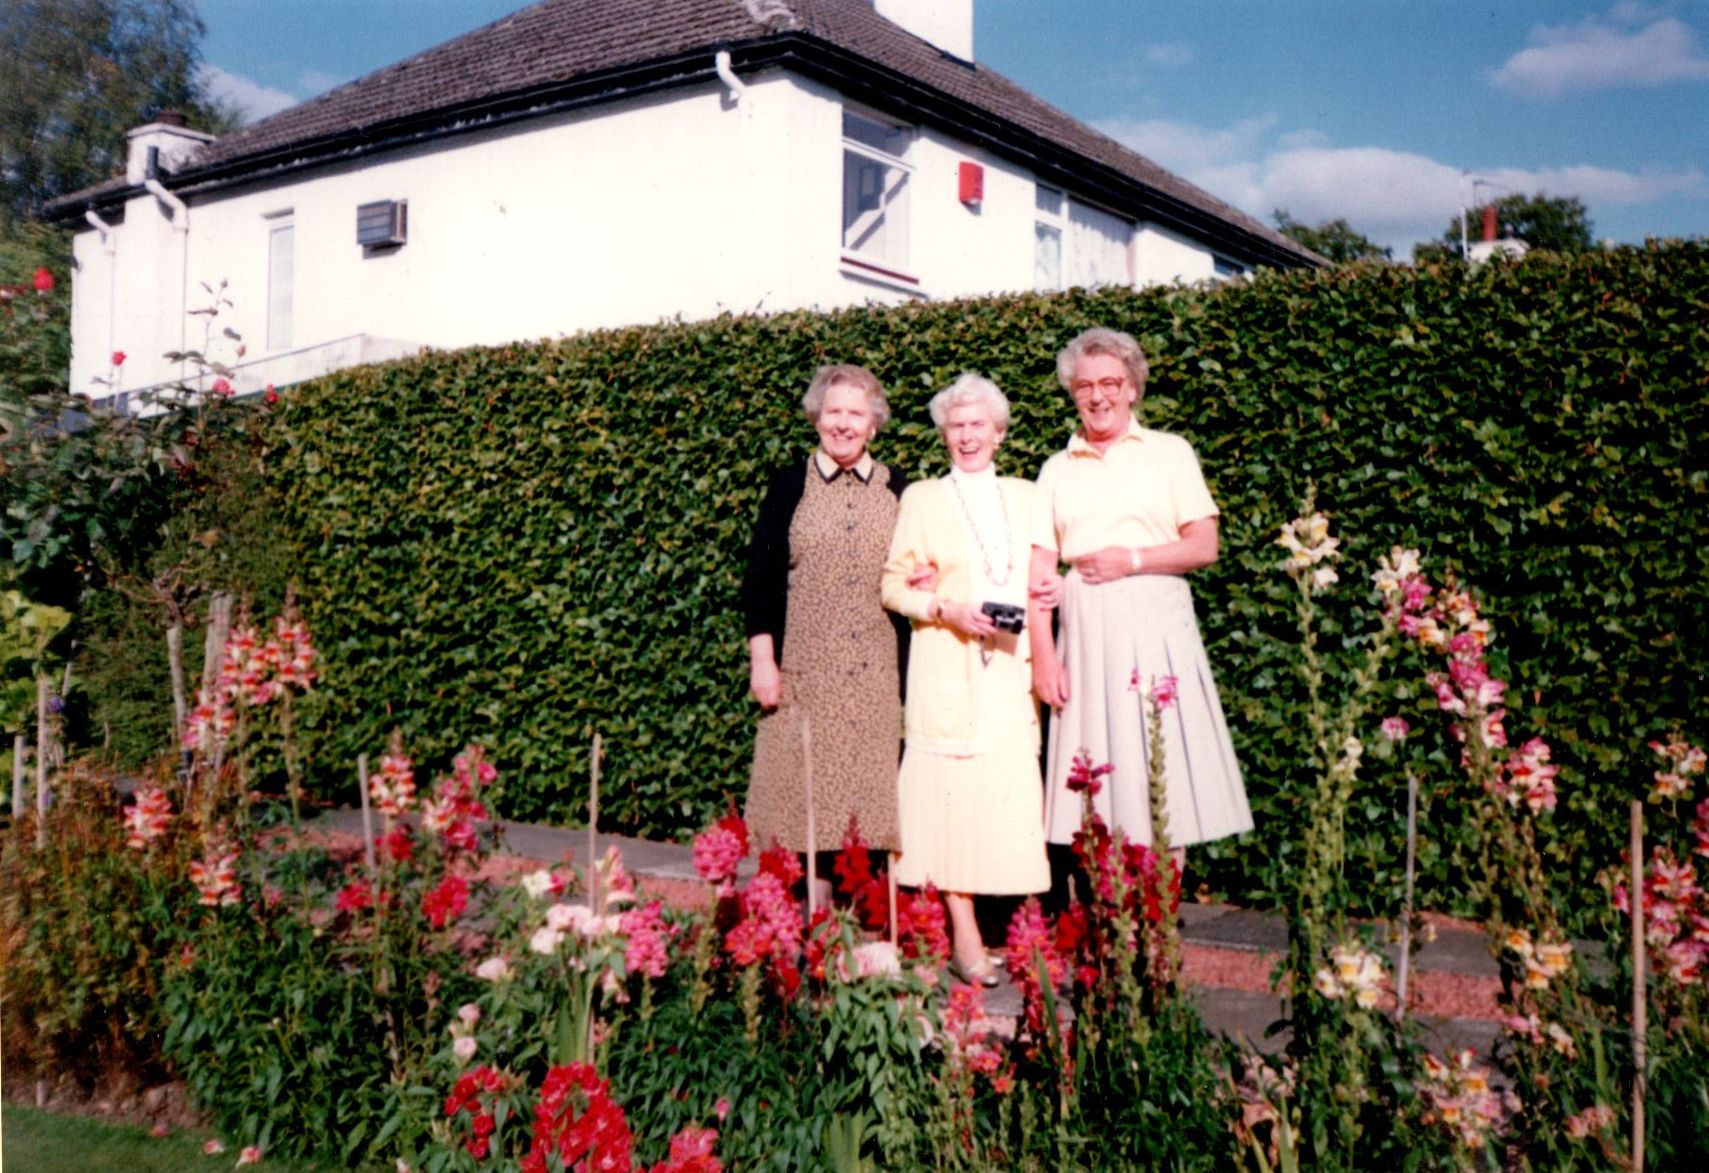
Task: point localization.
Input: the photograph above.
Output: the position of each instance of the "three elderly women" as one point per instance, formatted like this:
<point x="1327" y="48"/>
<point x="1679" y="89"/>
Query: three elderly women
<point x="972" y="560"/>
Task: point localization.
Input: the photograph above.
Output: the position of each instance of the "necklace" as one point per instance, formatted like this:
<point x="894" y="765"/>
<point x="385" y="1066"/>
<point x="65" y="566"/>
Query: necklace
<point x="979" y="539"/>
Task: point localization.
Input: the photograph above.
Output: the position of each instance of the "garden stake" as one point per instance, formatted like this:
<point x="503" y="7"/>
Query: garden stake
<point x="1639" y="1027"/>
<point x="367" y="815"/>
<point x="175" y="661"/>
<point x="812" y="844"/>
<point x="890" y="879"/>
<point x="594" y="902"/>
<point x="1406" y="898"/>
<point x="19" y="749"/>
<point x="42" y="751"/>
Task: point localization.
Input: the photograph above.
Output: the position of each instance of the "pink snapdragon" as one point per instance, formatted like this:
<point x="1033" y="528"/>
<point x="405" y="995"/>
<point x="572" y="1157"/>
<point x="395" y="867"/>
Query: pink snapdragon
<point x="1458" y="1098"/>
<point x="691" y="1152"/>
<point x="446" y="901"/>
<point x="648" y="940"/>
<point x="1395" y="728"/>
<point x="1528" y="779"/>
<point x="215" y="877"/>
<point x="1164" y="692"/>
<point x="147" y="818"/>
<point x="455" y="805"/>
<point x="1030" y="941"/>
<point x="1592" y="1120"/>
<point x="1086" y="778"/>
<point x="770" y="928"/>
<point x="1684" y="762"/>
<point x="392" y="787"/>
<point x="718" y="851"/>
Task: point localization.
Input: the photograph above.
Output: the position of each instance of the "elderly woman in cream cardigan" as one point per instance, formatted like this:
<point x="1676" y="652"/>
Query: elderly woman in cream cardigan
<point x="969" y="793"/>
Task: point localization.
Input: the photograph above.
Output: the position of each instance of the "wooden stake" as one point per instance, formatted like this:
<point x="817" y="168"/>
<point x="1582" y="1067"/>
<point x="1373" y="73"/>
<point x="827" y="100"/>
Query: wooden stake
<point x="1639" y="1026"/>
<point x="175" y="662"/>
<point x="1406" y="897"/>
<point x="812" y="838"/>
<point x="42" y="751"/>
<point x="20" y="747"/>
<point x="595" y="900"/>
<point x="367" y="815"/>
<point x="890" y="879"/>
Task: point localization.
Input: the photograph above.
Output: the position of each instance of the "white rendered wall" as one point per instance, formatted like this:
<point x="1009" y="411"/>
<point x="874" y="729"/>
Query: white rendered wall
<point x="683" y="205"/>
<point x="1162" y="257"/>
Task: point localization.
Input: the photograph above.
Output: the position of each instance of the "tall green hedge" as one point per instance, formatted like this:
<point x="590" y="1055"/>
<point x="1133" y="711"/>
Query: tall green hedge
<point x="527" y="544"/>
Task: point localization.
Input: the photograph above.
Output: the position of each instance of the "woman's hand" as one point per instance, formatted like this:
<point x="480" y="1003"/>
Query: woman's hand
<point x="1106" y="565"/>
<point x="765" y="684"/>
<point x="923" y="577"/>
<point x="1045" y="590"/>
<point x="967" y="618"/>
<point x="1050" y="682"/>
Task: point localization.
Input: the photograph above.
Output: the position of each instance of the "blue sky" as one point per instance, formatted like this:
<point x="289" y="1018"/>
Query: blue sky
<point x="1379" y="111"/>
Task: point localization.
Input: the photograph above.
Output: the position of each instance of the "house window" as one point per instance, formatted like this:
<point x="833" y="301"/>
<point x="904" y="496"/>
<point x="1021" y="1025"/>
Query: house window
<point x="1226" y="269"/>
<point x="875" y="194"/>
<point x="281" y="263"/>
<point x="1047" y="238"/>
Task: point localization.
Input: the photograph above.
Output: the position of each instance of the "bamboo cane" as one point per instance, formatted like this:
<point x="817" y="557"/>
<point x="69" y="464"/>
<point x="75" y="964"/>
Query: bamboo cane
<point x="1639" y="1027"/>
<point x="1406" y="898"/>
<point x="41" y="759"/>
<point x="175" y="663"/>
<point x="595" y="900"/>
<point x="367" y="815"/>
<point x="812" y="839"/>
<point x="20" y="747"/>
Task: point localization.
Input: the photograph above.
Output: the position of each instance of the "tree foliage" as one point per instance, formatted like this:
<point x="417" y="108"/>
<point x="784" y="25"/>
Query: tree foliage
<point x="78" y="75"/>
<point x="1335" y="239"/>
<point x="1558" y="224"/>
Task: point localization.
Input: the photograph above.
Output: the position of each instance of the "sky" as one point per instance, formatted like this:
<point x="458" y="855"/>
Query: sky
<point x="1390" y="115"/>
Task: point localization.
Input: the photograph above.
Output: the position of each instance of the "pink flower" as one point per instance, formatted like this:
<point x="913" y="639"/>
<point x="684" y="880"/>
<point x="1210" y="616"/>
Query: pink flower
<point x="159" y="1131"/>
<point x="1395" y="728"/>
<point x="44" y="281"/>
<point x="392" y="789"/>
<point x="1164" y="690"/>
<point x="250" y="1155"/>
<point x="355" y="897"/>
<point x="717" y="852"/>
<point x="648" y="949"/>
<point x="691" y="1152"/>
<point x="270" y="395"/>
<point x="221" y="387"/>
<point x="118" y="358"/>
<point x="1592" y="1120"/>
<point x="213" y="1148"/>
<point x="722" y="1108"/>
<point x="147" y="818"/>
<point x="215" y="877"/>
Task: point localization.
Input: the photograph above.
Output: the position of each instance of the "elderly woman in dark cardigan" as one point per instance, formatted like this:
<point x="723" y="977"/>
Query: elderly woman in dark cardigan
<point x="811" y="590"/>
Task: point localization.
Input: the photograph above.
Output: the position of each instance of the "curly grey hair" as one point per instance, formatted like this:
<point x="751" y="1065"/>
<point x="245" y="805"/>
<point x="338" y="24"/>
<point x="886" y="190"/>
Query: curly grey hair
<point x="970" y="388"/>
<point x="828" y="376"/>
<point x="1099" y="340"/>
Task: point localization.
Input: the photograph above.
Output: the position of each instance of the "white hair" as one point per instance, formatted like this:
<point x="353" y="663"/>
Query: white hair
<point x="970" y="388"/>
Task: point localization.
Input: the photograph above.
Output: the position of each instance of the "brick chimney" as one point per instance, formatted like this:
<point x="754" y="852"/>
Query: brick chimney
<point x="172" y="143"/>
<point x="1489" y="222"/>
<point x="946" y="24"/>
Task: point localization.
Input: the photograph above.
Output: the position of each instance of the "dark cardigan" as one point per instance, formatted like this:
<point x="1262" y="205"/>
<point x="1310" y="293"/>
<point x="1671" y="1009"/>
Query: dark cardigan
<point x="765" y="586"/>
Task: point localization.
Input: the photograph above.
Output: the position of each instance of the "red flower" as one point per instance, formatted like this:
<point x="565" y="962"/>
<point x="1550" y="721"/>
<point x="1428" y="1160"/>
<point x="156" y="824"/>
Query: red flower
<point x="221" y="387"/>
<point x="399" y="846"/>
<point x="118" y="358"/>
<point x="1084" y="776"/>
<point x="867" y="893"/>
<point x="446" y="902"/>
<point x="44" y="281"/>
<point x="271" y="396"/>
<point x="783" y="864"/>
<point x="733" y="823"/>
<point x="355" y="897"/>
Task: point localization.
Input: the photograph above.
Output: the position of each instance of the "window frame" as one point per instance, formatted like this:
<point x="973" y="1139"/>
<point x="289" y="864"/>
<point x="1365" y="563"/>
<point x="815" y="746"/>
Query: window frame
<point x="868" y="262"/>
<point x="281" y="296"/>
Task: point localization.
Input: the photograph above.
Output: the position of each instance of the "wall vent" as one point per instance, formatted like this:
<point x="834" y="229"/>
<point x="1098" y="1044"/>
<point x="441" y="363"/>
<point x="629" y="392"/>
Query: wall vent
<point x="382" y="224"/>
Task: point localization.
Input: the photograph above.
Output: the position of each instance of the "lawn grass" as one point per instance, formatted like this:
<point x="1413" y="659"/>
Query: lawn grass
<point x="45" y="1142"/>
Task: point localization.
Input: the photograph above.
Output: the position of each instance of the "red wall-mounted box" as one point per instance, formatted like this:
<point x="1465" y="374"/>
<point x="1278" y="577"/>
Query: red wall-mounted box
<point x="972" y="183"/>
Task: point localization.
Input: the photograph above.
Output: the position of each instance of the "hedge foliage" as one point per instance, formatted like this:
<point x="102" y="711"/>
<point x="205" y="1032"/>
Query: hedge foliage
<point x="527" y="544"/>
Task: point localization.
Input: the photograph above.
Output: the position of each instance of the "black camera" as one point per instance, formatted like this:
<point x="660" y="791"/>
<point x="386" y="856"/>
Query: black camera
<point x="1006" y="616"/>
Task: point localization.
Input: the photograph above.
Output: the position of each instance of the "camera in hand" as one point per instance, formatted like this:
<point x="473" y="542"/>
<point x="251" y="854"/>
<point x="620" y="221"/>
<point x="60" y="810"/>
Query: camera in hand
<point x="1006" y="616"/>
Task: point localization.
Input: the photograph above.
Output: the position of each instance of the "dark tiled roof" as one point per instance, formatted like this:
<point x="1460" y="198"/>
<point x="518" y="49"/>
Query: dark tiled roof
<point x="543" y="52"/>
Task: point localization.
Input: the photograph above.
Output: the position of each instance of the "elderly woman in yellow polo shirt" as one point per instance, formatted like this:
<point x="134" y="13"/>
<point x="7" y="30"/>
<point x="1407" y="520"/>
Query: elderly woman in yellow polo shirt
<point x="1127" y="509"/>
<point x="969" y="791"/>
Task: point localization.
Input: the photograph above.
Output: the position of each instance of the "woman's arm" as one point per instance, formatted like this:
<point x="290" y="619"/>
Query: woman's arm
<point x="765" y="585"/>
<point x="1196" y="547"/>
<point x="1050" y="684"/>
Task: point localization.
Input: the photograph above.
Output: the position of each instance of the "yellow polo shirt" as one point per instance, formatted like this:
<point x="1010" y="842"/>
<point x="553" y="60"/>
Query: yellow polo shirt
<point x="1138" y="493"/>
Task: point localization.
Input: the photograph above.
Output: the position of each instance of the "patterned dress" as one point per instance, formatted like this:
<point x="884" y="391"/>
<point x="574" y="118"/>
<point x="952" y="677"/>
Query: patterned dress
<point x="839" y="672"/>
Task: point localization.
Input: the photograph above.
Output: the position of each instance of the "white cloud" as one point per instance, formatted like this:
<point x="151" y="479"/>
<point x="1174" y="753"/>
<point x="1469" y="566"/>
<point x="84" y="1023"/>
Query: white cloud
<point x="312" y="83"/>
<point x="252" y="99"/>
<point x="1394" y="197"/>
<point x="1170" y="55"/>
<point x="1603" y="53"/>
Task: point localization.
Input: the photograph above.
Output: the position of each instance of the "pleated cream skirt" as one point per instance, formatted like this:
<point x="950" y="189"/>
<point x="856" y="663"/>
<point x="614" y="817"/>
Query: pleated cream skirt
<point x="1116" y="640"/>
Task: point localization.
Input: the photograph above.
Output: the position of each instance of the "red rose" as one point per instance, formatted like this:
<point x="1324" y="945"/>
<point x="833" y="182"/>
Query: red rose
<point x="44" y="280"/>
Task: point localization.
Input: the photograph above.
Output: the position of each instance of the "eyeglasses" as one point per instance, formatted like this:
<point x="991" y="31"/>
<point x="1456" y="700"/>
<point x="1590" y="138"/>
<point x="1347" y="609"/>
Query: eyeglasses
<point x="1083" y="388"/>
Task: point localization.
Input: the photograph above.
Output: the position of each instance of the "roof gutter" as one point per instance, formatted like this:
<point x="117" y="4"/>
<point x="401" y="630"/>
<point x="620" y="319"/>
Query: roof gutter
<point x="180" y="210"/>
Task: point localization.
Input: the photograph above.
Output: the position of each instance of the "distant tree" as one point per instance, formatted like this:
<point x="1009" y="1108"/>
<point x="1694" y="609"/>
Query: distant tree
<point x="1335" y="240"/>
<point x="78" y="75"/>
<point x="1555" y="224"/>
